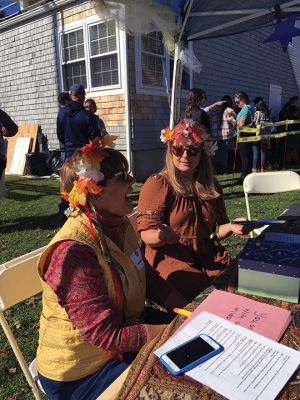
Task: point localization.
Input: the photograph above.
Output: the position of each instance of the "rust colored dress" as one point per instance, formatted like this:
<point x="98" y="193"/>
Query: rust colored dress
<point x="191" y="264"/>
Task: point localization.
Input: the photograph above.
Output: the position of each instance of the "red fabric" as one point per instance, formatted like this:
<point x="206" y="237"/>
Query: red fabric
<point x="76" y="277"/>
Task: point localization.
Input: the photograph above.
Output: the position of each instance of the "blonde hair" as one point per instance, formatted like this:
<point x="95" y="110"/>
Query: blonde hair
<point x="203" y="184"/>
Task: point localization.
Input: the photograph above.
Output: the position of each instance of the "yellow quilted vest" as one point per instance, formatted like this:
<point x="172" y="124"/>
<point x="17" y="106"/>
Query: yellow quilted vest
<point x="63" y="354"/>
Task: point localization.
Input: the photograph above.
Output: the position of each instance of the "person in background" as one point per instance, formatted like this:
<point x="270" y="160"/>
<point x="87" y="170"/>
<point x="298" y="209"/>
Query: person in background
<point x="261" y="115"/>
<point x="62" y="99"/>
<point x="75" y="125"/>
<point x="7" y="129"/>
<point x="223" y="127"/>
<point x="182" y="216"/>
<point x="292" y="141"/>
<point x="195" y="109"/>
<point x="243" y="118"/>
<point x="95" y="281"/>
<point x="257" y="100"/>
<point x="279" y="145"/>
<point x="91" y="106"/>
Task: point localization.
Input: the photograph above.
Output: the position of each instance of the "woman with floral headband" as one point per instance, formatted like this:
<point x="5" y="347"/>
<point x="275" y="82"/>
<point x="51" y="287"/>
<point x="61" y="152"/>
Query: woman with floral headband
<point x="94" y="281"/>
<point x="182" y="215"/>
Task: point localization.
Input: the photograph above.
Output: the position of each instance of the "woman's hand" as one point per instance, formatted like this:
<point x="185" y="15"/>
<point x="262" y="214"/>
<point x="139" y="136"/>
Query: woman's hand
<point x="228" y="229"/>
<point x="240" y="230"/>
<point x="166" y="234"/>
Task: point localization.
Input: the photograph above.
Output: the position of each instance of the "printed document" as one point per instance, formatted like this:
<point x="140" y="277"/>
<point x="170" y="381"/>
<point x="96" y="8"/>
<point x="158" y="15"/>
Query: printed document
<point x="251" y="367"/>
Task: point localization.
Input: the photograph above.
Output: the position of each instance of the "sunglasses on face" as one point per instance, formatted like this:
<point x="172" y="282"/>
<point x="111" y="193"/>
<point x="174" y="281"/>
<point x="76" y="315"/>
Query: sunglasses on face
<point x="125" y="175"/>
<point x="190" y="150"/>
<point x="89" y="107"/>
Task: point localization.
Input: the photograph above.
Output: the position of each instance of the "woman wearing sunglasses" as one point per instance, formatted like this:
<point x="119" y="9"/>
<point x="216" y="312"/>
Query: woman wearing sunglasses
<point x="182" y="215"/>
<point x="94" y="281"/>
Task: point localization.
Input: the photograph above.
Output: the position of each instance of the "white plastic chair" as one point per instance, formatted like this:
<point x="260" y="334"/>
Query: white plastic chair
<point x="132" y="218"/>
<point x="269" y="182"/>
<point x="19" y="280"/>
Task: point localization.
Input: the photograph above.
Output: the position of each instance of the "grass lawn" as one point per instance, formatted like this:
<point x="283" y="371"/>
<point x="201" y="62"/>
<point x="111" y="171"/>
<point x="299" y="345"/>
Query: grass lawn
<point x="28" y="220"/>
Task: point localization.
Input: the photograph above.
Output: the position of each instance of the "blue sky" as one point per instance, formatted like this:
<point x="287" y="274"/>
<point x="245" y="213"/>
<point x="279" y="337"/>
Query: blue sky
<point x="10" y="10"/>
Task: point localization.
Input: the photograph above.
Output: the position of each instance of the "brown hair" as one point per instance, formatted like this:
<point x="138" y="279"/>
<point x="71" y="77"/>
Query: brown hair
<point x="114" y="162"/>
<point x="243" y="96"/>
<point x="194" y="96"/>
<point x="93" y="103"/>
<point x="203" y="184"/>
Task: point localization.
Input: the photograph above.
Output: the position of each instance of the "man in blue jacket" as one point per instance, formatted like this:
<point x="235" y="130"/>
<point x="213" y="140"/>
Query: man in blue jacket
<point x="75" y="125"/>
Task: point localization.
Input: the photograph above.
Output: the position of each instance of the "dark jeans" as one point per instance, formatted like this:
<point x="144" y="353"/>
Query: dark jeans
<point x="88" y="388"/>
<point x="2" y="166"/>
<point x="245" y="154"/>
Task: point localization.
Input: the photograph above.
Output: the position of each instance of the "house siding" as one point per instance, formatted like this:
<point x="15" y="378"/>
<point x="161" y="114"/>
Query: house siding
<point x="243" y="62"/>
<point x="229" y="64"/>
<point x="29" y="81"/>
<point x="111" y="108"/>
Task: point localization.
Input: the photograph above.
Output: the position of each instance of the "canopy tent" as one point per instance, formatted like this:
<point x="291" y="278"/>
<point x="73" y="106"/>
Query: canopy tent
<point x="203" y="19"/>
<point x="186" y="20"/>
<point x="212" y="18"/>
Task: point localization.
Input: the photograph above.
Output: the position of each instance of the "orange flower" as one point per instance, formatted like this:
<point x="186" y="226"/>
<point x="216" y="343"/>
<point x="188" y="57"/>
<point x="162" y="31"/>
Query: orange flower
<point x="166" y="134"/>
<point x="108" y="140"/>
<point x="79" y="192"/>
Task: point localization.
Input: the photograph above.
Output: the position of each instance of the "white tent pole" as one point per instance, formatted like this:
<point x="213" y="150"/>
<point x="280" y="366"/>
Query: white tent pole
<point x="174" y="92"/>
<point x="178" y="44"/>
<point x="240" y="20"/>
<point x="186" y="16"/>
<point x="235" y="12"/>
<point x="225" y="12"/>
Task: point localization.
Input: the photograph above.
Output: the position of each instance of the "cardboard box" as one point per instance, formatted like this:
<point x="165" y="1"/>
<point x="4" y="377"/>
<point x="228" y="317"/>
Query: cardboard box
<point x="270" y="269"/>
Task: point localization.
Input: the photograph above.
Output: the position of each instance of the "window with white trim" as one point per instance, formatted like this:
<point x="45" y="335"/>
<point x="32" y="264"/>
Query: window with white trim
<point x="73" y="58"/>
<point x="153" y="59"/>
<point x="90" y="56"/>
<point x="156" y="66"/>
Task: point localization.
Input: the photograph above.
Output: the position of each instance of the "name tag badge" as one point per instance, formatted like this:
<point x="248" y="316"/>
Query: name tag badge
<point x="137" y="259"/>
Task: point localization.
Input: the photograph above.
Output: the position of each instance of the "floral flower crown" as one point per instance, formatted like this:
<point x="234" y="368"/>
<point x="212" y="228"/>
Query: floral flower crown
<point x="192" y="130"/>
<point x="88" y="171"/>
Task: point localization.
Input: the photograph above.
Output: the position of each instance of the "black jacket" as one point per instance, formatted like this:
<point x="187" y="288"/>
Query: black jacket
<point x="75" y="126"/>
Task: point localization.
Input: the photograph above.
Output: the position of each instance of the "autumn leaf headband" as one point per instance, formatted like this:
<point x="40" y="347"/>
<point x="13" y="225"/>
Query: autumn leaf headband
<point x="88" y="171"/>
<point x="189" y="129"/>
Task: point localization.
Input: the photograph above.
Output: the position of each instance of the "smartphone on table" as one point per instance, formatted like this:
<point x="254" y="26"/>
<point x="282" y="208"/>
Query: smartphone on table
<point x="190" y="354"/>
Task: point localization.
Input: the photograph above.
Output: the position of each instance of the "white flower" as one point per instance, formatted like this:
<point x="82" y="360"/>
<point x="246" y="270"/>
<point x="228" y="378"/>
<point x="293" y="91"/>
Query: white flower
<point x="210" y="147"/>
<point x="85" y="171"/>
<point x="162" y="137"/>
<point x="185" y="133"/>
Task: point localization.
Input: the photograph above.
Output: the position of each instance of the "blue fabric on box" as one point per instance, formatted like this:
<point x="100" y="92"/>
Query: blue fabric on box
<point x="273" y="257"/>
<point x="88" y="388"/>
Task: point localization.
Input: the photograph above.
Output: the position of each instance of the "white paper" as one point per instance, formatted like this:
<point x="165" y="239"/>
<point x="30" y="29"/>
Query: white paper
<point x="251" y="367"/>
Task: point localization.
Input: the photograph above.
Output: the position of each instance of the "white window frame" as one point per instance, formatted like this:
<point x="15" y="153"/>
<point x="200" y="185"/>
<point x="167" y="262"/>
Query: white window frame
<point x="121" y="40"/>
<point x="152" y="89"/>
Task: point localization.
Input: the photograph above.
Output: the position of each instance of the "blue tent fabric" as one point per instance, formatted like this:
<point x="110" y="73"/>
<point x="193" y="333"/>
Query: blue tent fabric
<point x="197" y="24"/>
<point x="201" y="23"/>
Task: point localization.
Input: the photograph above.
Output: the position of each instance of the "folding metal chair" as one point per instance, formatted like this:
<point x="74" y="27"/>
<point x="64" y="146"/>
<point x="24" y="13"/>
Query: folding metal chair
<point x="19" y="280"/>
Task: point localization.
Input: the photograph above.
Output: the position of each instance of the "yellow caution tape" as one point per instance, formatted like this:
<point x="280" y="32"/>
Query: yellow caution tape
<point x="266" y="137"/>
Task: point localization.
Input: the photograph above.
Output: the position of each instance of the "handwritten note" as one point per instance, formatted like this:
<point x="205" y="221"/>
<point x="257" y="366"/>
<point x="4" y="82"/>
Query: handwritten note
<point x="258" y="317"/>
